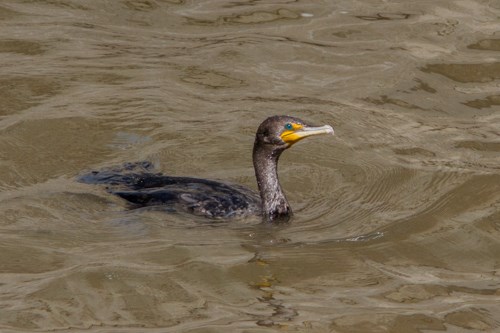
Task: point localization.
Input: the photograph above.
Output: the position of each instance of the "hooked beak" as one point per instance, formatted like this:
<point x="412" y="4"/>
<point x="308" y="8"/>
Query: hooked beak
<point x="303" y="131"/>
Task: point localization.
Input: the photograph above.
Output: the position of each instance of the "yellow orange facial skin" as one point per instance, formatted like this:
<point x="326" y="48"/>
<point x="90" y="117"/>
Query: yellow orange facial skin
<point x="291" y="136"/>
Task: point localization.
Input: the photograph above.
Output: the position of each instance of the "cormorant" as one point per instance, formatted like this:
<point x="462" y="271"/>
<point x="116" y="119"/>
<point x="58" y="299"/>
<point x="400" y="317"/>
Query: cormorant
<point x="136" y="183"/>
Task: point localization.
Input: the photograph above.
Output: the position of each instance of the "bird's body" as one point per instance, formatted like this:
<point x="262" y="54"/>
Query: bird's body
<point x="139" y="185"/>
<point x="202" y="197"/>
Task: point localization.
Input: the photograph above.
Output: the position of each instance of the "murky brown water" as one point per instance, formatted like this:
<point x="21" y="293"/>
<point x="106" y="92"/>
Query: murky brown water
<point x="397" y="218"/>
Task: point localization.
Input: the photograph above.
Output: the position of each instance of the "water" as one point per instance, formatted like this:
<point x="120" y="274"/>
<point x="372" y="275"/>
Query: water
<point x="397" y="217"/>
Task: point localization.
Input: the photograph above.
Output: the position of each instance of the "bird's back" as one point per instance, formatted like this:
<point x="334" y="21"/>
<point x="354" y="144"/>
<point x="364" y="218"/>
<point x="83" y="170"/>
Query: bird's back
<point x="141" y="187"/>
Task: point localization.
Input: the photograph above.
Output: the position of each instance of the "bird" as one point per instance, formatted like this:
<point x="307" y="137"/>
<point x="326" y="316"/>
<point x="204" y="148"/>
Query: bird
<point x="140" y="186"/>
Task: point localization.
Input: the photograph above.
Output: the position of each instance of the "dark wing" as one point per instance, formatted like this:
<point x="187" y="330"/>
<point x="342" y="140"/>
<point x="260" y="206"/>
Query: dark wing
<point x="197" y="196"/>
<point x="135" y="183"/>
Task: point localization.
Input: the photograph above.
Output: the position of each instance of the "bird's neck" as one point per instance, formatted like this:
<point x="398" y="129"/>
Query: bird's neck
<point x="275" y="207"/>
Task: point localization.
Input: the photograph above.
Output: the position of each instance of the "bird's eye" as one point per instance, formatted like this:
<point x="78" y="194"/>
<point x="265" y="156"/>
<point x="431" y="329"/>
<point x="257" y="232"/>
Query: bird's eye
<point x="288" y="126"/>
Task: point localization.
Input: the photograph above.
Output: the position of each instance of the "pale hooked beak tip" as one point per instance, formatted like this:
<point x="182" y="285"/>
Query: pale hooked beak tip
<point x="329" y="130"/>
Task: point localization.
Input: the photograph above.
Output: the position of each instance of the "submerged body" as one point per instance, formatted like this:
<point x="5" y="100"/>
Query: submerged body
<point x="139" y="185"/>
<point x="136" y="183"/>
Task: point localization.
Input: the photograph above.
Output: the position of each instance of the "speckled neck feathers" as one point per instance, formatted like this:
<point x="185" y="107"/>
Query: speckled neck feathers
<point x="275" y="206"/>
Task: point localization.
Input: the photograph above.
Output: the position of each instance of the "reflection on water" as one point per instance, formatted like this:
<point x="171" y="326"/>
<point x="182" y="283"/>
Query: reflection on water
<point x="396" y="221"/>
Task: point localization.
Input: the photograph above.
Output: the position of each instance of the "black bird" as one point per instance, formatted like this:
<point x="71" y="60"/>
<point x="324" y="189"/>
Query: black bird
<point x="136" y="183"/>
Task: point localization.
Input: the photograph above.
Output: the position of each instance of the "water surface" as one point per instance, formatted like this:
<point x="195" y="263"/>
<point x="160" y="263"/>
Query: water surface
<point x="397" y="217"/>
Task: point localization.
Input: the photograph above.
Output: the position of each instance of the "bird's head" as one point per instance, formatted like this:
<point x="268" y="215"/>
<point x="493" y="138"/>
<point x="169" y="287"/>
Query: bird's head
<point x="283" y="131"/>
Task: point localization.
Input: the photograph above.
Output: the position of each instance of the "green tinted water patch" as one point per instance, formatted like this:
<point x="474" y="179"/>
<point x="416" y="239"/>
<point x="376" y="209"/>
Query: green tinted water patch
<point x="479" y="145"/>
<point x="384" y="99"/>
<point x="20" y="93"/>
<point x="7" y="13"/>
<point x="21" y="47"/>
<point x="141" y="5"/>
<point x="423" y="86"/>
<point x="385" y="16"/>
<point x="257" y="17"/>
<point x="466" y="73"/>
<point x="210" y="79"/>
<point x="486" y="44"/>
<point x="486" y="102"/>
